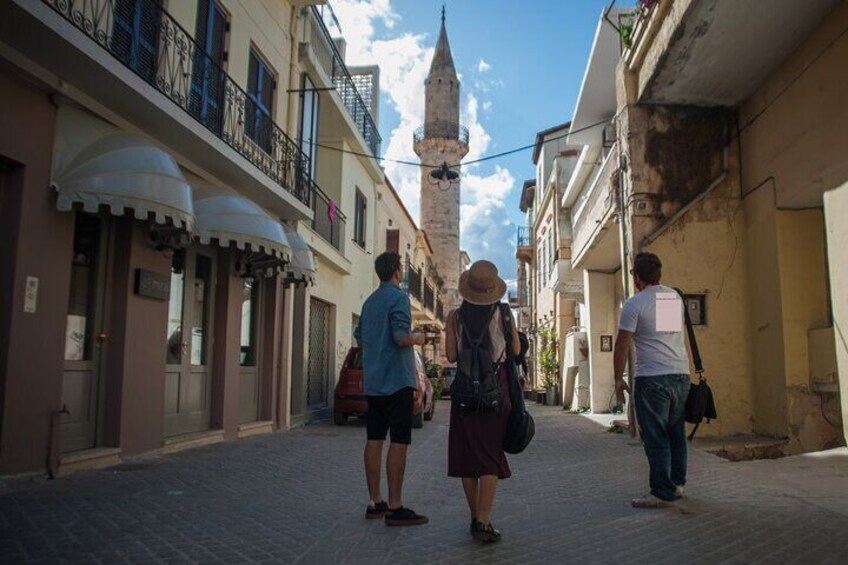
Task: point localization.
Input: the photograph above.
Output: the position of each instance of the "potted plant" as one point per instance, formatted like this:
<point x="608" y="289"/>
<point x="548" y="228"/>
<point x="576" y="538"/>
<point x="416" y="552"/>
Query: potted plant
<point x="548" y="365"/>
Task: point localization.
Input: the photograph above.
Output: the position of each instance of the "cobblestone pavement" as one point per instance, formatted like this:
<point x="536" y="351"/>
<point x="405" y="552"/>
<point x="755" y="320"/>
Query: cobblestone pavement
<point x="299" y="497"/>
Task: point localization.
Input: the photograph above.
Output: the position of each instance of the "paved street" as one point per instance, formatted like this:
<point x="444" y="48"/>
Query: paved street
<point x="299" y="497"/>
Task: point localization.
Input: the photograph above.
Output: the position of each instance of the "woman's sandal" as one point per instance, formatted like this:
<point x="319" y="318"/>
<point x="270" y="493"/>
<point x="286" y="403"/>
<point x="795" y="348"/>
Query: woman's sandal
<point x="484" y="533"/>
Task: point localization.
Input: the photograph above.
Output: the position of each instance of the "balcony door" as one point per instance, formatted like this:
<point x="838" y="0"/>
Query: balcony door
<point x="135" y="35"/>
<point x="260" y="100"/>
<point x="207" y="83"/>
<point x="188" y="365"/>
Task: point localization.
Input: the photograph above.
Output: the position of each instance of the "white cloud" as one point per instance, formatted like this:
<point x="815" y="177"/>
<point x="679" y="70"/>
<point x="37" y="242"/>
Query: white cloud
<point x="487" y="105"/>
<point x="404" y="60"/>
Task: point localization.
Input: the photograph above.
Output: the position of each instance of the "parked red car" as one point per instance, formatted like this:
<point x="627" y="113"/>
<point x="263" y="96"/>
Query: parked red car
<point x="350" y="396"/>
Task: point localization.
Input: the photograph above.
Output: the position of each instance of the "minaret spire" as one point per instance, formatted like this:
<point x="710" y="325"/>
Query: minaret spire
<point x="443" y="13"/>
<point x="443" y="58"/>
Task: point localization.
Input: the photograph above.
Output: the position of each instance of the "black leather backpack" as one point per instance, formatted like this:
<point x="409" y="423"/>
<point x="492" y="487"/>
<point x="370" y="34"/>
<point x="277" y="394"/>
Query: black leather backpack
<point x="475" y="387"/>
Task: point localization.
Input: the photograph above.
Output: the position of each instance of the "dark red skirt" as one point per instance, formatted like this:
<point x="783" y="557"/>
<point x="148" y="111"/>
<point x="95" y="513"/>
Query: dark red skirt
<point x="475" y="441"/>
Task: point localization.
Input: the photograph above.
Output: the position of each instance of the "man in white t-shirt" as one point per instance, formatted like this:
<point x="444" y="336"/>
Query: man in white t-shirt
<point x="653" y="321"/>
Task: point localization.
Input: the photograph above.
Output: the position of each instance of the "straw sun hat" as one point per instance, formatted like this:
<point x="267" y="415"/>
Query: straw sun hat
<point x="481" y="284"/>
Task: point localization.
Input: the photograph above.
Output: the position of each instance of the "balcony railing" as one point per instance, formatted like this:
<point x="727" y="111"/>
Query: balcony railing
<point x="524" y="238"/>
<point x="156" y="48"/>
<point x="328" y="221"/>
<point x="413" y="277"/>
<point x="429" y="297"/>
<point x="441" y="130"/>
<point x="333" y="64"/>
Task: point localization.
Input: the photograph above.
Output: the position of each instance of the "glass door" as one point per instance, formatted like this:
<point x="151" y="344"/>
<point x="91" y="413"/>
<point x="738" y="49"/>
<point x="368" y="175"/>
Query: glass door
<point x="250" y="381"/>
<point x="188" y="374"/>
<point x="84" y="335"/>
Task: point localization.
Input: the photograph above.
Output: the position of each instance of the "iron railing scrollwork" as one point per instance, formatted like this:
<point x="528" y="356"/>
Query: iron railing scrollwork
<point x="441" y="130"/>
<point x="413" y="277"/>
<point x="524" y="237"/>
<point x="161" y="52"/>
<point x="333" y="63"/>
<point x="429" y="297"/>
<point x="332" y="229"/>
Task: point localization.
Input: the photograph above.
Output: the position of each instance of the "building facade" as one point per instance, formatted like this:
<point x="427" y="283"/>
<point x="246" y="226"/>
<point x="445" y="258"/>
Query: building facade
<point x="734" y="175"/>
<point x="186" y="247"/>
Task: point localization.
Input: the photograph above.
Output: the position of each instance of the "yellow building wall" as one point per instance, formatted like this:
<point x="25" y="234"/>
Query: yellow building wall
<point x="766" y="326"/>
<point x="836" y="213"/>
<point x="708" y="256"/>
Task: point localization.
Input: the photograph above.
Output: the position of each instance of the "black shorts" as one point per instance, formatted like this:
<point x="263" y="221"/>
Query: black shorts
<point x="393" y="412"/>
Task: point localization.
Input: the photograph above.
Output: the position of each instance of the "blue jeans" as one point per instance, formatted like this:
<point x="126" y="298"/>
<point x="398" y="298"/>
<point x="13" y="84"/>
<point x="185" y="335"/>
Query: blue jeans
<point x="660" y="402"/>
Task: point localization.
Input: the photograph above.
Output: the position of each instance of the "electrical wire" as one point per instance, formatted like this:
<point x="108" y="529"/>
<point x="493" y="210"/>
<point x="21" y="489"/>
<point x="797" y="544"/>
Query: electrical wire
<point x="472" y="162"/>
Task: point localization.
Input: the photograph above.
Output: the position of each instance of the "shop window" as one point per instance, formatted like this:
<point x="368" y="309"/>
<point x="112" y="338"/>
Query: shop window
<point x="249" y="321"/>
<point x="83" y="293"/>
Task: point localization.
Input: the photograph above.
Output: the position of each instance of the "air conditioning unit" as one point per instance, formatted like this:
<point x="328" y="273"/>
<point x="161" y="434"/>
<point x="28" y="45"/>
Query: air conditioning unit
<point x="609" y="136"/>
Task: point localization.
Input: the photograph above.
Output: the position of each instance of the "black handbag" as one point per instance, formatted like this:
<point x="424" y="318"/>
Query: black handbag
<point x="700" y="404"/>
<point x="520" y="427"/>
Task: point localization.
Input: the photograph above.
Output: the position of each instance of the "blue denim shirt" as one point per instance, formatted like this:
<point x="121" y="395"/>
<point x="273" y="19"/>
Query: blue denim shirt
<point x="386" y="321"/>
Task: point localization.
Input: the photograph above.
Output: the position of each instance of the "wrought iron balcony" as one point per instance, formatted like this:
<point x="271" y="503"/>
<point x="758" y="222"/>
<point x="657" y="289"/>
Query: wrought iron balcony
<point x="413" y="278"/>
<point x="327" y="220"/>
<point x="441" y="130"/>
<point x="331" y="60"/>
<point x="524" y="238"/>
<point x="429" y="297"/>
<point x="150" y="42"/>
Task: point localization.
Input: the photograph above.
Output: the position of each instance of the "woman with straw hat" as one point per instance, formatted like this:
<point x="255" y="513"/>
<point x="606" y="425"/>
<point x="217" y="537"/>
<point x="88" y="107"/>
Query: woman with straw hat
<point x="475" y="441"/>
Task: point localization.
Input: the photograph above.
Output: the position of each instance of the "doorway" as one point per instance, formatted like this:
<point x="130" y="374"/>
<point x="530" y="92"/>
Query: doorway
<point x="318" y="368"/>
<point x="250" y="380"/>
<point x="85" y="334"/>
<point x="188" y="365"/>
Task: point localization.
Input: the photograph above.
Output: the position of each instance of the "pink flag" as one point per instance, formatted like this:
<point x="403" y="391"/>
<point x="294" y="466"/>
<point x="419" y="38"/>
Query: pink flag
<point x="331" y="211"/>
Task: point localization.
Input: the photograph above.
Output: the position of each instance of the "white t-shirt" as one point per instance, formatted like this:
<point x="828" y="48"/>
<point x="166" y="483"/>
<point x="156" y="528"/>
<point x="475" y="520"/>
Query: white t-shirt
<point x="655" y="316"/>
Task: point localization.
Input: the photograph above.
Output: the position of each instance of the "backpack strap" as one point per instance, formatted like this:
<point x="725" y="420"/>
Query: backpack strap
<point x="693" y="342"/>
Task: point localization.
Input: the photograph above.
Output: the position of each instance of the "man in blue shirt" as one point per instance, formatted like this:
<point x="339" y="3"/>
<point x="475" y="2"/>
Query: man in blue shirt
<point x="385" y="335"/>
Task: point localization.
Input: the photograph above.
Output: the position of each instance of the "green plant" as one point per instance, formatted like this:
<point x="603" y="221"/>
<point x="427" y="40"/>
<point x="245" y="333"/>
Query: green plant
<point x="432" y="369"/>
<point x="548" y="364"/>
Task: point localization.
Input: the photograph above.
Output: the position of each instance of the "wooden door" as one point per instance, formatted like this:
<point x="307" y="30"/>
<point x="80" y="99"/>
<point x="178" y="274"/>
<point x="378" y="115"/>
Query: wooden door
<point x="85" y="335"/>
<point x="188" y="375"/>
<point x="393" y="241"/>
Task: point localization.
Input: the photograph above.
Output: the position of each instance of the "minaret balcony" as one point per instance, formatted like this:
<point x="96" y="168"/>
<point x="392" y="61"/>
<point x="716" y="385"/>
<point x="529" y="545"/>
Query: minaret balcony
<point x="451" y="131"/>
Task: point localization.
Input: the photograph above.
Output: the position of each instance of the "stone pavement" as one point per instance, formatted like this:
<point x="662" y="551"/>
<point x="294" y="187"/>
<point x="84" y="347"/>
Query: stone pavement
<point x="299" y="497"/>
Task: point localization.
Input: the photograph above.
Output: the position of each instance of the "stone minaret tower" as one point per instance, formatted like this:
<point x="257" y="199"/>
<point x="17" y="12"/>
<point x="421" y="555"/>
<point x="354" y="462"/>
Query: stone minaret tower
<point x="442" y="140"/>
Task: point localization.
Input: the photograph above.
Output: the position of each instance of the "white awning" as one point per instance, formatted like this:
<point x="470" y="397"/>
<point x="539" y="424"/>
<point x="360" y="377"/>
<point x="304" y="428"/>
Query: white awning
<point x="231" y="218"/>
<point x="124" y="171"/>
<point x="302" y="266"/>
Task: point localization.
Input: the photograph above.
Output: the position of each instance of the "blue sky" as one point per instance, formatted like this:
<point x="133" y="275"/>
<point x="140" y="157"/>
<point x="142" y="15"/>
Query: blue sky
<point x="521" y="64"/>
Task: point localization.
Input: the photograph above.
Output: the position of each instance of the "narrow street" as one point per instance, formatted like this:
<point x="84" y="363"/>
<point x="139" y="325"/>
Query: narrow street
<point x="299" y="497"/>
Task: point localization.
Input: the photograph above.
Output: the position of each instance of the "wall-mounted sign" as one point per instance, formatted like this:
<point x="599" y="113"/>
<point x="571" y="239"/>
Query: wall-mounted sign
<point x="31" y="295"/>
<point x="152" y="284"/>
<point x="606" y="343"/>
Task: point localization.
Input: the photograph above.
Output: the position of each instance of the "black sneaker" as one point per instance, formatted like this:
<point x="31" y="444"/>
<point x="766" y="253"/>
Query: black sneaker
<point x="485" y="534"/>
<point x="377" y="511"/>
<point x="404" y="517"/>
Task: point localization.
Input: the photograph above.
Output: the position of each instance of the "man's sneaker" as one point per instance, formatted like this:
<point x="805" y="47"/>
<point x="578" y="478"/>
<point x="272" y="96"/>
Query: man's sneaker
<point x="404" y="517"/>
<point x="376" y="511"/>
<point x="651" y="501"/>
<point x="483" y="533"/>
<point x="679" y="492"/>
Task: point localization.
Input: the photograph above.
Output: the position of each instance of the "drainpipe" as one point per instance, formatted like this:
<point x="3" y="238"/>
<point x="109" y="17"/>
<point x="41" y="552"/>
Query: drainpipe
<point x="680" y="213"/>
<point x="51" y="463"/>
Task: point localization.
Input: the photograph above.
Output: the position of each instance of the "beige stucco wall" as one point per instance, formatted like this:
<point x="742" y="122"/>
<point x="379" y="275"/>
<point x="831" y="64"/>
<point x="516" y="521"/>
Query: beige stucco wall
<point x="599" y="289"/>
<point x="836" y="212"/>
<point x="705" y="253"/>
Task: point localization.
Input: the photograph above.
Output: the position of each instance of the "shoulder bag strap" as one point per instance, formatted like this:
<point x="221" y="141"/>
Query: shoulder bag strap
<point x="693" y="343"/>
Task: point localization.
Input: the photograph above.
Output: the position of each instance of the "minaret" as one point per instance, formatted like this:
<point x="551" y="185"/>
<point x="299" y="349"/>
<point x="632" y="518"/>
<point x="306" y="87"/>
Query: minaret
<point x="442" y="140"/>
